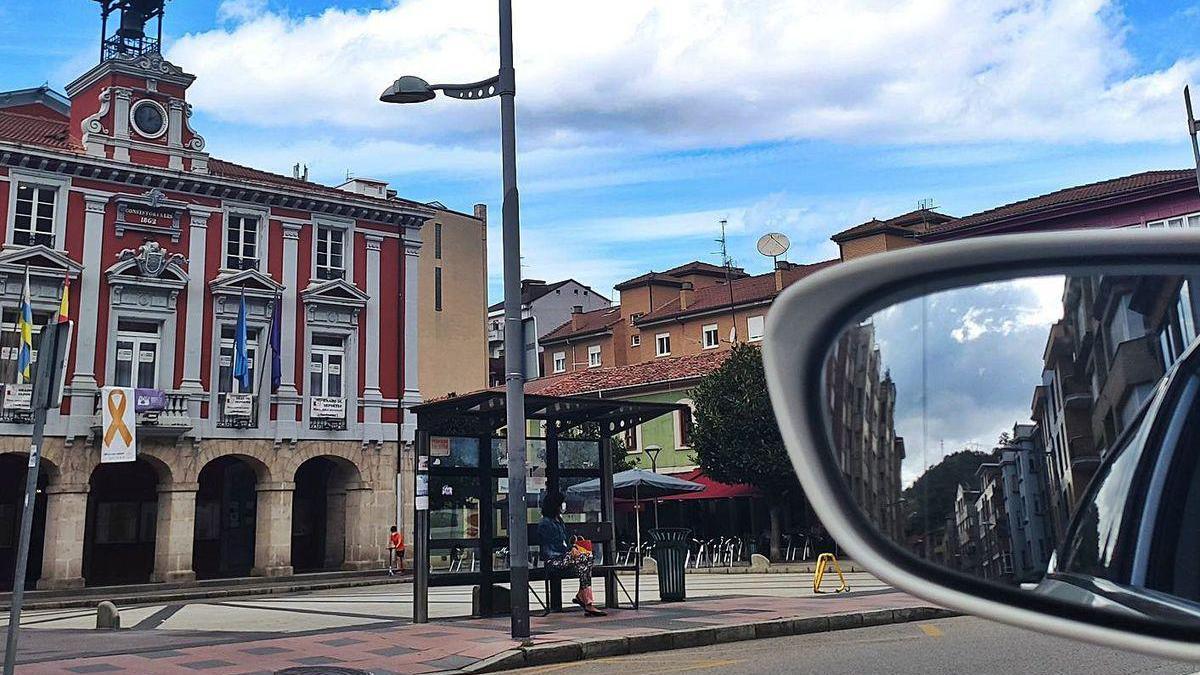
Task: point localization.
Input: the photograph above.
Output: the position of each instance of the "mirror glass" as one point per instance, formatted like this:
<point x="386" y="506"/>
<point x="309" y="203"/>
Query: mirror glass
<point x="1041" y="433"/>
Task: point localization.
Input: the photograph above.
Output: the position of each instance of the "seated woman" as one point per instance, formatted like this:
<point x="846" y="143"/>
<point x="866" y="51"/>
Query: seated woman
<point x="560" y="554"/>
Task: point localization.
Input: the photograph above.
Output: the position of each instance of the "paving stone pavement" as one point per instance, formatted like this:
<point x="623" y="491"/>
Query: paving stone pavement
<point x="398" y="646"/>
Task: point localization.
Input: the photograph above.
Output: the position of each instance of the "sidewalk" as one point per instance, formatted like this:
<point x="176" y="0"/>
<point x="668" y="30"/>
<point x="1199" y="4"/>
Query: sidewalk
<point x="468" y="645"/>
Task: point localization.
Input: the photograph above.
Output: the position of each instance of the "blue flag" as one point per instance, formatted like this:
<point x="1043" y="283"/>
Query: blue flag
<point x="241" y="364"/>
<point x="276" y="335"/>
<point x="25" y="328"/>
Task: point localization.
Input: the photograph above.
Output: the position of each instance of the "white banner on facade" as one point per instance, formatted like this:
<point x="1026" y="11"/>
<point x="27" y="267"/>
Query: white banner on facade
<point x="239" y="405"/>
<point x="18" y="396"/>
<point x="118" y="425"/>
<point x="324" y="407"/>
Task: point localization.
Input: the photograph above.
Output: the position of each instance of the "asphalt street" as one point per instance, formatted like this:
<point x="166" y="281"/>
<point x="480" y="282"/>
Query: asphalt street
<point x="959" y="645"/>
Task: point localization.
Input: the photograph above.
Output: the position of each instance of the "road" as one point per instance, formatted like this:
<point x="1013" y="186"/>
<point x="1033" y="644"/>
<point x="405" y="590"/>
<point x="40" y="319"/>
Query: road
<point x="950" y="646"/>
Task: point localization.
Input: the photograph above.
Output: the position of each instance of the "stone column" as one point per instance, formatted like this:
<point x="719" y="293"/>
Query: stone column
<point x="123" y="100"/>
<point x="62" y="552"/>
<point x="335" y="527"/>
<point x="273" y="530"/>
<point x="175" y="532"/>
<point x="412" y="391"/>
<point x="364" y="530"/>
<point x="83" y="381"/>
<point x="373" y="397"/>
<point x="288" y="395"/>
<point x="193" y="340"/>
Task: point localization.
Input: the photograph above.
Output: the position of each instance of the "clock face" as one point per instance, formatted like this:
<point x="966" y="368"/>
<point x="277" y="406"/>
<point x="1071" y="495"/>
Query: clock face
<point x="149" y="119"/>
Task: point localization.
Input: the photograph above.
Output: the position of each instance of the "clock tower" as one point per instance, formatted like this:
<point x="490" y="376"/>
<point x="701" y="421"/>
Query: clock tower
<point x="132" y="106"/>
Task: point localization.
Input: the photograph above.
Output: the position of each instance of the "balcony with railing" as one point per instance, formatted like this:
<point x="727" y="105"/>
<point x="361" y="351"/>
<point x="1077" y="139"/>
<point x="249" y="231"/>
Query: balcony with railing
<point x="327" y="413"/>
<point x="163" y="413"/>
<point x="237" y="411"/>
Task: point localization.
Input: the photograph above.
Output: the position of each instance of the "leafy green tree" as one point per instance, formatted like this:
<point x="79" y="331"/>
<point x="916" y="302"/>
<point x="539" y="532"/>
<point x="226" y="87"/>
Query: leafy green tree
<point x="930" y="499"/>
<point x="735" y="437"/>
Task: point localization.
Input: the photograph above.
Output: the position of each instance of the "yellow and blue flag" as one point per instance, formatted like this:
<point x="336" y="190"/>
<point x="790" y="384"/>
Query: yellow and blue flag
<point x="25" y="328"/>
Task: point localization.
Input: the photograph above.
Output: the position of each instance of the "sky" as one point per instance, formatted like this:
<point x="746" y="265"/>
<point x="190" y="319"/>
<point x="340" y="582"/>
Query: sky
<point x="644" y="123"/>
<point x="965" y="363"/>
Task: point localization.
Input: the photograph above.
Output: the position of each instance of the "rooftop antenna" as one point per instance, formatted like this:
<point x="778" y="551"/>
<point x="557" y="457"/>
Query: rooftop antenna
<point x="924" y="206"/>
<point x="773" y="245"/>
<point x="728" y="263"/>
<point x="1193" y="128"/>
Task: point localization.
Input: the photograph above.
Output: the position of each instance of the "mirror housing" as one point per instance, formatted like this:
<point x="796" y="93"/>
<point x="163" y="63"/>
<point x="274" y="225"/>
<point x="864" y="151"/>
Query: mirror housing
<point x="810" y="315"/>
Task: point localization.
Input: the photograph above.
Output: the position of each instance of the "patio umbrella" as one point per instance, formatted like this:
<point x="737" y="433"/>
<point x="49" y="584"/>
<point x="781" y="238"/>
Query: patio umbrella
<point x="635" y="484"/>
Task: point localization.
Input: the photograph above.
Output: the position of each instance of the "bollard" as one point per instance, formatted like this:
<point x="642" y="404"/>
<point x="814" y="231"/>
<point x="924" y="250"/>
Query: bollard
<point x="823" y="562"/>
<point x="107" y="616"/>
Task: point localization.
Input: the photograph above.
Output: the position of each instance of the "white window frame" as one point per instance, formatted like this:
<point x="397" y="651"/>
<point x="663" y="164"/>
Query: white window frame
<point x="17" y="177"/>
<point x="259" y="250"/>
<point x="560" y="362"/>
<point x="677" y="419"/>
<point x="323" y="354"/>
<point x="251" y="354"/>
<point x="323" y="260"/>
<point x="138" y="339"/>
<point x="658" y="344"/>
<point x="635" y="340"/>
<point x="751" y="336"/>
<point x="1174" y="222"/>
<point x="594" y="360"/>
<point x="711" y="330"/>
<point x="261" y="243"/>
<point x="347" y="228"/>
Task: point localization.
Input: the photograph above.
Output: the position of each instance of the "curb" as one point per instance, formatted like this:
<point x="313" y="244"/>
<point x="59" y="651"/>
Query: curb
<point x="566" y="652"/>
<point x="131" y="599"/>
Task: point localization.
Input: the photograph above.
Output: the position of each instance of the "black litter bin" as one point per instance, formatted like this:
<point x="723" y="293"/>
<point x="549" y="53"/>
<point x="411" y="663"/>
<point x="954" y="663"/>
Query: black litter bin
<point x="670" y="552"/>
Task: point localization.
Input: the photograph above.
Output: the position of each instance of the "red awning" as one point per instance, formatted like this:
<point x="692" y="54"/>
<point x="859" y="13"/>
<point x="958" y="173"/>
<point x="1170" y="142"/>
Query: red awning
<point x="712" y="489"/>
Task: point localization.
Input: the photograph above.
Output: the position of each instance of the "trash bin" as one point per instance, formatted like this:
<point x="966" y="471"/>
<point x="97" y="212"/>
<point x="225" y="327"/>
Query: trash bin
<point x="670" y="552"/>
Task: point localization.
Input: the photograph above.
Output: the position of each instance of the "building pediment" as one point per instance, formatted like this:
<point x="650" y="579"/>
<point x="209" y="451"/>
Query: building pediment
<point x="40" y="260"/>
<point x="252" y="283"/>
<point x="334" y="292"/>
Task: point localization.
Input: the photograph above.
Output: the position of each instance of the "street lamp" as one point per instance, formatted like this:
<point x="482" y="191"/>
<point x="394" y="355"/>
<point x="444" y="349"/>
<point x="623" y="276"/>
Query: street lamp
<point x="652" y="452"/>
<point x="410" y="89"/>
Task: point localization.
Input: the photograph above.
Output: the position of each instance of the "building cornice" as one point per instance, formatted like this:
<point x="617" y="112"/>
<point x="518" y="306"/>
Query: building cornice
<point x="209" y="186"/>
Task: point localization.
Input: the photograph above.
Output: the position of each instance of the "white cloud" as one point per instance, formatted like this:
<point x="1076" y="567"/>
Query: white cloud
<point x="702" y="73"/>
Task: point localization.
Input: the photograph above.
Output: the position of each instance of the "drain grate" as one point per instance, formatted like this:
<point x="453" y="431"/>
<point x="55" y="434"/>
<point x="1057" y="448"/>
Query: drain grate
<point x="322" y="670"/>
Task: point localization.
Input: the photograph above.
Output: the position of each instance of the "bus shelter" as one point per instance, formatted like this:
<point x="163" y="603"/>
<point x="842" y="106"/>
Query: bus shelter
<point x="461" y="485"/>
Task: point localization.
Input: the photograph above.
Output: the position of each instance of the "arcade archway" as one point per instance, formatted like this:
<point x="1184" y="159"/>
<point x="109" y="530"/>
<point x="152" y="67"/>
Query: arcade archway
<point x="12" y="497"/>
<point x="320" y="513"/>
<point x="226" y="516"/>
<point x="121" y="523"/>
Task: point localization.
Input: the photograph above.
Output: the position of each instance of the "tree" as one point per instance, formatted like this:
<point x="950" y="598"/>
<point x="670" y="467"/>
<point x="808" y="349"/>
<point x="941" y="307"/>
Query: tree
<point x="735" y="437"/>
<point x="930" y="499"/>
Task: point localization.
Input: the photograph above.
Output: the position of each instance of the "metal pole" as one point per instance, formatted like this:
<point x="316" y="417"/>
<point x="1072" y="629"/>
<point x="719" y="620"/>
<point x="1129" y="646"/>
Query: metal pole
<point x="514" y="340"/>
<point x="654" y="468"/>
<point x="1187" y="100"/>
<point x="18" y="592"/>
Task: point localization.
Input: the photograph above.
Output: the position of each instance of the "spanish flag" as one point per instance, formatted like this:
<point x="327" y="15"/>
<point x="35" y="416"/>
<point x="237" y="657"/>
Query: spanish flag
<point x="25" y="328"/>
<point x="62" y="305"/>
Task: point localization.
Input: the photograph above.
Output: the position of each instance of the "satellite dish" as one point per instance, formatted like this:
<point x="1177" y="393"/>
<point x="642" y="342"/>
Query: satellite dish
<point x="773" y="244"/>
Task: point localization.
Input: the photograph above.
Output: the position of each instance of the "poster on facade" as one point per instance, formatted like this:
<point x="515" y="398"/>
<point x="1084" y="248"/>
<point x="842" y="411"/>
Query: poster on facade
<point x="238" y="405"/>
<point x="324" y="407"/>
<point x="17" y="396"/>
<point x="439" y="447"/>
<point x="118" y="425"/>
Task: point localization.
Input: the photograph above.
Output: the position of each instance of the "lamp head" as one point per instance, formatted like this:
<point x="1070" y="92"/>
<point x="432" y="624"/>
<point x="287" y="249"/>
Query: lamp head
<point x="408" y="89"/>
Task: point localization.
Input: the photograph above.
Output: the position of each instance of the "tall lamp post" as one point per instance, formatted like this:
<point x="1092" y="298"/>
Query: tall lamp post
<point x="410" y="89"/>
<point x="652" y="452"/>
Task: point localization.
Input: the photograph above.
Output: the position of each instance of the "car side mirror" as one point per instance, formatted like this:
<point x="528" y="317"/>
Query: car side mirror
<point x="1009" y="426"/>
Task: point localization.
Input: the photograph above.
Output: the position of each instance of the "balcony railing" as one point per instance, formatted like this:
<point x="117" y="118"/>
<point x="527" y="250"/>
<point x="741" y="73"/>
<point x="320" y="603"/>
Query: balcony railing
<point x="327" y="413"/>
<point x="165" y="412"/>
<point x="234" y="413"/>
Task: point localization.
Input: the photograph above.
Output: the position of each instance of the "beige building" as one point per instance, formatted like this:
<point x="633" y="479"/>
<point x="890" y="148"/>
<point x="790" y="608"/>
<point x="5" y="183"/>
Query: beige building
<point x="453" y="307"/>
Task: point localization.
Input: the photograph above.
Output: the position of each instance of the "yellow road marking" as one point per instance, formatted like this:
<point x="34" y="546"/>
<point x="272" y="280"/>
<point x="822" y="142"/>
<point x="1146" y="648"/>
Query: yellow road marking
<point x="930" y="630"/>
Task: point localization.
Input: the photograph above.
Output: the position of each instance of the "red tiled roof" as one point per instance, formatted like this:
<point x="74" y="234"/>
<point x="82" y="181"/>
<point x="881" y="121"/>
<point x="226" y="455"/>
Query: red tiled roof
<point x="40" y="131"/>
<point x="745" y="291"/>
<point x="665" y="369"/>
<point x="594" y="321"/>
<point x="1069" y="196"/>
<point x="902" y="224"/>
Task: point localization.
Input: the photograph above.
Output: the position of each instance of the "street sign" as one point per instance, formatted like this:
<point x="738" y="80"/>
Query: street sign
<point x="118" y="425"/>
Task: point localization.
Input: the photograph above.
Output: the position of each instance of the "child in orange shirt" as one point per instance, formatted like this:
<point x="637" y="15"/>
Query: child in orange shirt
<point x="395" y="551"/>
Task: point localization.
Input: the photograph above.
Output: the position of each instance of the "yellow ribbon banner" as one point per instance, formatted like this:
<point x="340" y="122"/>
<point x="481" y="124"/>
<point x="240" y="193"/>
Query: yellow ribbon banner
<point x="119" y="422"/>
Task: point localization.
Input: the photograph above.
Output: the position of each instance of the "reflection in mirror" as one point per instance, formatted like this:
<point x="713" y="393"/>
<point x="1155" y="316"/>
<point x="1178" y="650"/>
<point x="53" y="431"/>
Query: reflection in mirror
<point x="1038" y="432"/>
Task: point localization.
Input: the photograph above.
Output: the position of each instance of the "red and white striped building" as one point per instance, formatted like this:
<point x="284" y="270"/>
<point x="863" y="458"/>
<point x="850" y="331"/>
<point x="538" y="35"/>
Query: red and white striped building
<point x="110" y="187"/>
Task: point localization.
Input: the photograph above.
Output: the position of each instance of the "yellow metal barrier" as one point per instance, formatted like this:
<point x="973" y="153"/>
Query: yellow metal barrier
<point x="823" y="562"/>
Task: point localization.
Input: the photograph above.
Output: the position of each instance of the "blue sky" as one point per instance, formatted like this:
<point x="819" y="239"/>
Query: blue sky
<point x="643" y="123"/>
